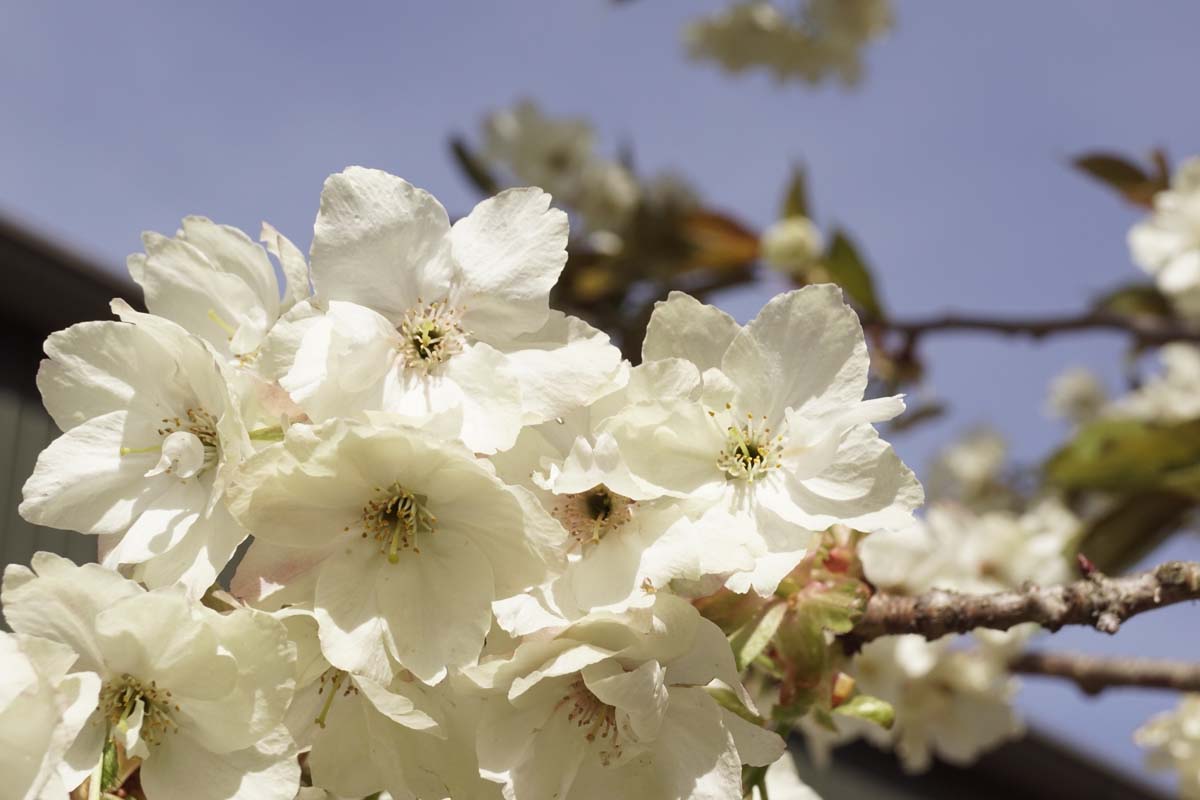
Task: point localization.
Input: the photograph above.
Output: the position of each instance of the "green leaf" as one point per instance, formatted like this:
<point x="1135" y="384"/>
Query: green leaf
<point x="1111" y="169"/>
<point x="1119" y="173"/>
<point x="795" y="201"/>
<point x="863" y="706"/>
<point x="110" y="771"/>
<point x="474" y="167"/>
<point x="1125" y="455"/>
<point x="848" y="270"/>
<point x="1136" y="300"/>
<point x="1132" y="527"/>
<point x="728" y="700"/>
<point x="835" y="604"/>
<point x="753" y="637"/>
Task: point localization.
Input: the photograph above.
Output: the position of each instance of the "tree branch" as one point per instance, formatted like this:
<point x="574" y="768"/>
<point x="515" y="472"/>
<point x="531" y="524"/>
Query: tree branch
<point x="1098" y="601"/>
<point x="1094" y="674"/>
<point x="1144" y="329"/>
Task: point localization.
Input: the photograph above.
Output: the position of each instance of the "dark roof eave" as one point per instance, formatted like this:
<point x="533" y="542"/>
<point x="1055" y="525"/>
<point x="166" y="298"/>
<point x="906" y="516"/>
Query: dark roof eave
<point x="48" y="287"/>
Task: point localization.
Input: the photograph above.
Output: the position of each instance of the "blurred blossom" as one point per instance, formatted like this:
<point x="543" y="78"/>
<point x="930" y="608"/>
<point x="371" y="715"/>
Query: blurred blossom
<point x="1077" y="396"/>
<point x="792" y="245"/>
<point x="541" y="151"/>
<point x="950" y="702"/>
<point x="969" y="470"/>
<point x="820" y="39"/>
<point x="956" y="549"/>
<point x="1167" y="243"/>
<point x="1173" y="741"/>
<point x="558" y="155"/>
<point x="1171" y="396"/>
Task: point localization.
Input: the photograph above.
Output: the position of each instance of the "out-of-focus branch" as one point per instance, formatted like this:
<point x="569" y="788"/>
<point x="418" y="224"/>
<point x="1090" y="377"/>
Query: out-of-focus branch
<point x="1098" y="601"/>
<point x="1146" y="330"/>
<point x="1094" y="674"/>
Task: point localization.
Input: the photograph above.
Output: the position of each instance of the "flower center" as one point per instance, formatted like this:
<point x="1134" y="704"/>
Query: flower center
<point x="331" y="681"/>
<point x="120" y="698"/>
<point x="430" y="333"/>
<point x="395" y="519"/>
<point x="592" y="715"/>
<point x="590" y="516"/>
<point x="750" y="451"/>
<point x="199" y="423"/>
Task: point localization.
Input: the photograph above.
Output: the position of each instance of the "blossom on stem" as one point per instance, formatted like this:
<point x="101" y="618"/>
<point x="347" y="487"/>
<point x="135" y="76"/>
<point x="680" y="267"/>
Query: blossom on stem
<point x="151" y="437"/>
<point x="198" y="696"/>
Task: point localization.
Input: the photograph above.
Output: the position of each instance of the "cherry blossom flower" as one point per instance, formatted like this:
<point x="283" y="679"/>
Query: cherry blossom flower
<point x="424" y="318"/>
<point x="42" y="710"/>
<point x="614" y="706"/>
<point x="151" y="436"/>
<point x="1173" y="741"/>
<point x="1167" y="244"/>
<point x="218" y="284"/>
<point x="401" y="541"/>
<point x="198" y="696"/>
<point x="777" y="438"/>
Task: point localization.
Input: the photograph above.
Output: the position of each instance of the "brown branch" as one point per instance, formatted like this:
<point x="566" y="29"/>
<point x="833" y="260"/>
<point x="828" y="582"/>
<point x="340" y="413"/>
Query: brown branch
<point x="1098" y="601"/>
<point x="1146" y="330"/>
<point x="1094" y="674"/>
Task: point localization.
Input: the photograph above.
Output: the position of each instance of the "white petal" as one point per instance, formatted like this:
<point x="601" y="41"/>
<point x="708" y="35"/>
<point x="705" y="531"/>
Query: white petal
<point x="511" y="249"/>
<point x="866" y="487"/>
<point x="60" y="601"/>
<point x="379" y="242"/>
<point x="640" y="694"/>
<point x="291" y="262"/>
<point x="694" y="751"/>
<point x="683" y="327"/>
<point x="756" y="745"/>
<point x="565" y="365"/>
<point x="82" y="481"/>
<point x="180" y="767"/>
<point x="804" y="349"/>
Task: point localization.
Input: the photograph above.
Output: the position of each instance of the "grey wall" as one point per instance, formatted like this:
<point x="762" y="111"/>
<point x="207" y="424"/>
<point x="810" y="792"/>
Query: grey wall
<point x="25" y="429"/>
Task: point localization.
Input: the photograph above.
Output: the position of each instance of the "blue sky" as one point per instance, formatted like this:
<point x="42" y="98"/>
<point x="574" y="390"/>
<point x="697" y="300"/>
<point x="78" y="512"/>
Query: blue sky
<point x="948" y="164"/>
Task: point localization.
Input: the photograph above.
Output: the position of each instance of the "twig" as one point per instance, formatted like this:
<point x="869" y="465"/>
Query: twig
<point x="1145" y="329"/>
<point x="1098" y="601"/>
<point x="1094" y="674"/>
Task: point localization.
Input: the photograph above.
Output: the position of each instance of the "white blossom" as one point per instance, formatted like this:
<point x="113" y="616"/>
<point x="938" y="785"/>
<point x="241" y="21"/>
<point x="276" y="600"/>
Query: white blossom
<point x="558" y="155"/>
<point x="774" y="438"/>
<point x="792" y="245"/>
<point x="424" y="319"/>
<point x="969" y="470"/>
<point x="957" y="549"/>
<point x="626" y="540"/>
<point x="43" y="707"/>
<point x="421" y="739"/>
<point x="151" y="436"/>
<point x="1077" y="395"/>
<point x="1167" y="244"/>
<point x="949" y="702"/>
<point x="1172" y="395"/>
<point x="614" y="706"/>
<point x="399" y="541"/>
<point x="821" y="38"/>
<point x="197" y="695"/>
<point x="218" y="284"/>
<point x="1173" y="741"/>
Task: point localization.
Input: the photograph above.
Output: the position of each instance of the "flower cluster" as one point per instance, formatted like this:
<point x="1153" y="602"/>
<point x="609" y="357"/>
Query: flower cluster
<point x="950" y="698"/>
<point x="475" y="530"/>
<point x="1167" y="244"/>
<point x="824" y="38"/>
<point x="1173" y="741"/>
